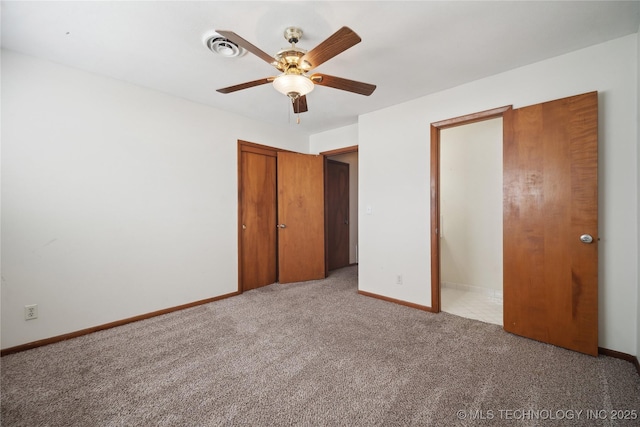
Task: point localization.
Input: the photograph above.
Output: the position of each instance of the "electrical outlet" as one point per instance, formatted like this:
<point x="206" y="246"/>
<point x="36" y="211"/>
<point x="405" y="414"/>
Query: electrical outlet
<point x="399" y="279"/>
<point x="31" y="312"/>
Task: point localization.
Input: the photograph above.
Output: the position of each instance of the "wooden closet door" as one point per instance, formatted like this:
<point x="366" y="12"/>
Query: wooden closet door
<point x="300" y="217"/>
<point x="258" y="242"/>
<point x="550" y="207"/>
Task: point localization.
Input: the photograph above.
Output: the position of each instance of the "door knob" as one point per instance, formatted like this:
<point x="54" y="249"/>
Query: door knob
<point x="281" y="226"/>
<point x="586" y="238"/>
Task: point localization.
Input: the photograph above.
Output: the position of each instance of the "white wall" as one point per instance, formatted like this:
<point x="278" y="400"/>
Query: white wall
<point x="394" y="176"/>
<point x="92" y="236"/>
<point x="346" y="136"/>
<point x="471" y="206"/>
<point x="116" y="200"/>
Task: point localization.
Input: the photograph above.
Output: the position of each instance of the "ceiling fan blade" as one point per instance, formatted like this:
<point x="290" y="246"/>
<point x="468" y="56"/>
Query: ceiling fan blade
<point x="337" y="43"/>
<point x="300" y="105"/>
<point x="343" y="84"/>
<point x="230" y="35"/>
<point x="246" y="85"/>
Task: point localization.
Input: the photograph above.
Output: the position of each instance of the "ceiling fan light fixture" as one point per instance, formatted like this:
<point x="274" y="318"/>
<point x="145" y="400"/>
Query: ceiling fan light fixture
<point x="293" y="83"/>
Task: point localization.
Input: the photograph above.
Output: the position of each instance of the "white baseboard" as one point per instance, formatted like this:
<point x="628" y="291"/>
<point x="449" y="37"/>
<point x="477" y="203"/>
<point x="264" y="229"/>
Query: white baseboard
<point x="495" y="293"/>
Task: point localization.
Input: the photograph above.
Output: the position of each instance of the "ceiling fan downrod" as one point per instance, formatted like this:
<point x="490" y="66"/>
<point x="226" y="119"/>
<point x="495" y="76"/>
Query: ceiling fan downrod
<point x="293" y="35"/>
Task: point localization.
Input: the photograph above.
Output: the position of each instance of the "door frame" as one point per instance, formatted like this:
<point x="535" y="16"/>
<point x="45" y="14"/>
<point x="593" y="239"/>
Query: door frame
<point x="436" y="127"/>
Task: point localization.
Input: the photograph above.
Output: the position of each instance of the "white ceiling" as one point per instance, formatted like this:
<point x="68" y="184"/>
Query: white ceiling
<point x="409" y="48"/>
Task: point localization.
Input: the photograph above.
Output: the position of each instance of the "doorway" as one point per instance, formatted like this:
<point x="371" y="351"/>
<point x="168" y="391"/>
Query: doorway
<point x="471" y="220"/>
<point x="337" y="209"/>
<point x="348" y="155"/>
<point x="436" y="130"/>
<point x="550" y="219"/>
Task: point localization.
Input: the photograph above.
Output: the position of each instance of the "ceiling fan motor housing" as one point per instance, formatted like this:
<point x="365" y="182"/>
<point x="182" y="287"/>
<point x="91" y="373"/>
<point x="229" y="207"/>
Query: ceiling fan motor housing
<point x="289" y="59"/>
<point x="293" y="34"/>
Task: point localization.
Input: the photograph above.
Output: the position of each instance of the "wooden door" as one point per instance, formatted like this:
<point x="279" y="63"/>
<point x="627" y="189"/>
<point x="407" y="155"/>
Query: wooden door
<point x="258" y="218"/>
<point x="300" y="217"/>
<point x="337" y="214"/>
<point x="550" y="201"/>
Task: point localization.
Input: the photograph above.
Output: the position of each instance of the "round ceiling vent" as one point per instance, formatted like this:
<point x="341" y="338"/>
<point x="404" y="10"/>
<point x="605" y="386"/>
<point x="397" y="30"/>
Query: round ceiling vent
<point x="221" y="46"/>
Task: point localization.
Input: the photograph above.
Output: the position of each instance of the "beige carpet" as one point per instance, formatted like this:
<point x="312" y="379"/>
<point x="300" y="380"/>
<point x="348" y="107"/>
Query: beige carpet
<point x="315" y="353"/>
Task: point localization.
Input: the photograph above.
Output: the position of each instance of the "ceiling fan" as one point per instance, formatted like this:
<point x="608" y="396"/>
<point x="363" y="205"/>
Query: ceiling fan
<point x="295" y="64"/>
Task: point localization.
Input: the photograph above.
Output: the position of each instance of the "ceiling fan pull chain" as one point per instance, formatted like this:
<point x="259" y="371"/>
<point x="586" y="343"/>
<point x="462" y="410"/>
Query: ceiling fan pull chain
<point x="295" y="103"/>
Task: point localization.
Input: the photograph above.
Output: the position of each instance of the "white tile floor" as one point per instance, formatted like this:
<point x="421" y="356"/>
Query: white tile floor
<point x="473" y="305"/>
